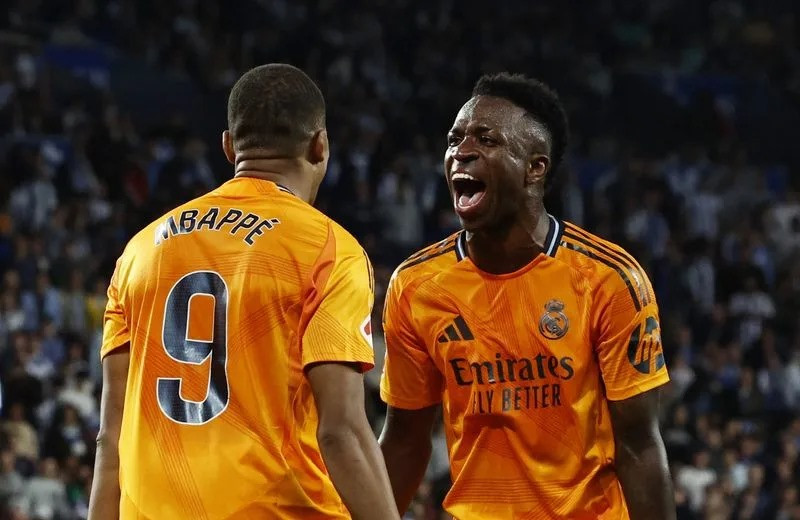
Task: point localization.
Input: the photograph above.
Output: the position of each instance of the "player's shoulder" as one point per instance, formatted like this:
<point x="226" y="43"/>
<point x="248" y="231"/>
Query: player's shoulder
<point x="428" y="262"/>
<point x="605" y="262"/>
<point x="346" y="243"/>
<point x="322" y="237"/>
<point x="313" y="227"/>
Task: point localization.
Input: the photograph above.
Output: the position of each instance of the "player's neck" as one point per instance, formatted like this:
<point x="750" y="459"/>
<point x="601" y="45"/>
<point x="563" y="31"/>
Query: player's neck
<point x="286" y="172"/>
<point x="505" y="251"/>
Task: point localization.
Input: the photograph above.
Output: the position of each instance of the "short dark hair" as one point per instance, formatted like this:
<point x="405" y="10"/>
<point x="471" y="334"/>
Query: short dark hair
<point x="274" y="106"/>
<point x="537" y="99"/>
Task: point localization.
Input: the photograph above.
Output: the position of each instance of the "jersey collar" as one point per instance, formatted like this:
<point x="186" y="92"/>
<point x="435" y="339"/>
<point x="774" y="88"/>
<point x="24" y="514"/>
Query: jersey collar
<point x="284" y="189"/>
<point x="553" y="239"/>
<point x="551" y="242"/>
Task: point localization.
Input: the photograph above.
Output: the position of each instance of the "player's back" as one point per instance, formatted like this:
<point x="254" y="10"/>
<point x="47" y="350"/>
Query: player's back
<point x="218" y="296"/>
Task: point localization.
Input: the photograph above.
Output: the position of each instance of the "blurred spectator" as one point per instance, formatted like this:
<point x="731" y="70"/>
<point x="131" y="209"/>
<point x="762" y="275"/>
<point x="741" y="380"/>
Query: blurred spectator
<point x="74" y="305"/>
<point x="751" y="400"/>
<point x="21" y="435"/>
<point x="66" y="436"/>
<point x="403" y="219"/>
<point x="45" y="495"/>
<point x="784" y="226"/>
<point x="701" y="277"/>
<point x="677" y="435"/>
<point x="34" y="201"/>
<point x="696" y="478"/>
<point x="648" y="225"/>
<point x="42" y="303"/>
<point x="702" y="208"/>
<point x="11" y="483"/>
<point x="12" y="317"/>
<point x="78" y="392"/>
<point x="716" y="507"/>
<point x="751" y="307"/>
<point x="53" y="348"/>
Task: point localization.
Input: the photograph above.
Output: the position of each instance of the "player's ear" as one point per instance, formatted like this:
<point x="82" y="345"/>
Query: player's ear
<point x="227" y="147"/>
<point x="538" y="164"/>
<point x="319" y="148"/>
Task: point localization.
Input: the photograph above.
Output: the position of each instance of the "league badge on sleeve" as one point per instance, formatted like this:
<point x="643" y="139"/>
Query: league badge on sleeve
<point x="645" y="352"/>
<point x="366" y="329"/>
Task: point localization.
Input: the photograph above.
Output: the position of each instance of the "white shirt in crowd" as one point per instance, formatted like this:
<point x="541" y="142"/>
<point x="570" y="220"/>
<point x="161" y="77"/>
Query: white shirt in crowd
<point x="694" y="481"/>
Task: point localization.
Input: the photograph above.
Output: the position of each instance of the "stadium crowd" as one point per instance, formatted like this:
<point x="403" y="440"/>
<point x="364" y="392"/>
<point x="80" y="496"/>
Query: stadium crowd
<point x="668" y="101"/>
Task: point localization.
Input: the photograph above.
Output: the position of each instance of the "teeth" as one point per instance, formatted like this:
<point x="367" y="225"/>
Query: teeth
<point x="463" y="176"/>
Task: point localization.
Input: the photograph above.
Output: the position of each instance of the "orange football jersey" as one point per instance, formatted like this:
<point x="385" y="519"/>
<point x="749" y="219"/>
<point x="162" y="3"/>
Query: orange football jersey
<point x="224" y="301"/>
<point x="523" y="364"/>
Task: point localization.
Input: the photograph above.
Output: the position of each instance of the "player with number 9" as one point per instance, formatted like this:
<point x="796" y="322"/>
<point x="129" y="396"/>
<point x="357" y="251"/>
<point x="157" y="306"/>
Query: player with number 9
<point x="236" y="334"/>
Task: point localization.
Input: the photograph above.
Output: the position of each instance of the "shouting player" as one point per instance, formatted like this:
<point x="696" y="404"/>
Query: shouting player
<point x="236" y="334"/>
<point x="540" y="341"/>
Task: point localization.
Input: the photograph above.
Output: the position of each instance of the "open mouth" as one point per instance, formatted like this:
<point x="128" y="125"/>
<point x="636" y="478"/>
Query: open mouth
<point x="468" y="191"/>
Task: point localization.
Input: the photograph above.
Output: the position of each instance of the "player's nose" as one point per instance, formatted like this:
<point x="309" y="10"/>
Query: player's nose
<point x="465" y="151"/>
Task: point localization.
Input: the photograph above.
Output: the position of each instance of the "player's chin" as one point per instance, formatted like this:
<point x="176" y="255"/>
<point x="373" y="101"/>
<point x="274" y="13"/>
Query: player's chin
<point x="471" y="226"/>
<point x="476" y="220"/>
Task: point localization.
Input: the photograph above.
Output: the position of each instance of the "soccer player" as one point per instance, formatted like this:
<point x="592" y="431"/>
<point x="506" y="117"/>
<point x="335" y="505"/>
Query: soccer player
<point x="236" y="333"/>
<point x="539" y="340"/>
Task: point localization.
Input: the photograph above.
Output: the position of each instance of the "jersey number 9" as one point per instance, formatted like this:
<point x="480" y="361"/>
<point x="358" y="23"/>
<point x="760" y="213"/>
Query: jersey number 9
<point x="176" y="341"/>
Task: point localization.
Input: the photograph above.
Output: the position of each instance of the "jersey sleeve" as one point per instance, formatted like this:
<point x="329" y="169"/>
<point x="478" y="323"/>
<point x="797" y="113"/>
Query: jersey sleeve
<point x="115" y="325"/>
<point x="628" y="345"/>
<point x="337" y="311"/>
<point x="410" y="379"/>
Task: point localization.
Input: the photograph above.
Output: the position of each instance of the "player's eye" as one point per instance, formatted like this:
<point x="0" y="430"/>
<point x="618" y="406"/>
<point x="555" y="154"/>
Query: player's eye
<point x="485" y="139"/>
<point x="453" y="140"/>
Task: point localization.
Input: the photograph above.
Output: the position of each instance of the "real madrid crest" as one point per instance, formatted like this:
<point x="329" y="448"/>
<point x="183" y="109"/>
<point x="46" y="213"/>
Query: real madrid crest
<point x="554" y="323"/>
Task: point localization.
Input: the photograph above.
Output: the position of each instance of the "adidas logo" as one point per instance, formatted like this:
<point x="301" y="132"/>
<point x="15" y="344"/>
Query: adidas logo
<point x="457" y="331"/>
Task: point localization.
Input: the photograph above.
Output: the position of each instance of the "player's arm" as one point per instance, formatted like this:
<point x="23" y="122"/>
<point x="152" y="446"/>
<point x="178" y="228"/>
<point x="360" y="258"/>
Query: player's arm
<point x="104" y="502"/>
<point x="632" y="364"/>
<point x="641" y="460"/>
<point x="336" y="350"/>
<point x="115" y="352"/>
<point x="411" y="386"/>
<point x="406" y="446"/>
<point x="347" y="443"/>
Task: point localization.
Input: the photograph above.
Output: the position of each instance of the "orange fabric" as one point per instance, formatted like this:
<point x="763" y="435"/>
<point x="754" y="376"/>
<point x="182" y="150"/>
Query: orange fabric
<point x="224" y="301"/>
<point x="523" y="365"/>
